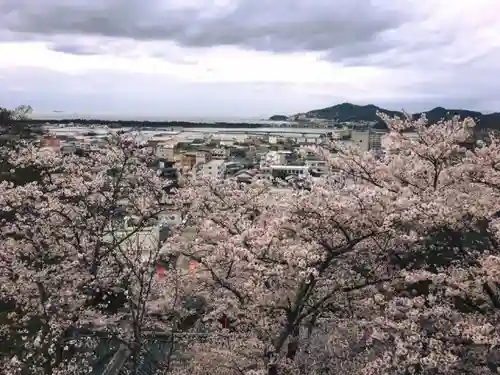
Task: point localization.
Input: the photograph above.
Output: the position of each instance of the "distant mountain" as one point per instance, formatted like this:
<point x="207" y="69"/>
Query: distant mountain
<point x="278" y="118"/>
<point x="439" y="113"/>
<point x="351" y="112"/>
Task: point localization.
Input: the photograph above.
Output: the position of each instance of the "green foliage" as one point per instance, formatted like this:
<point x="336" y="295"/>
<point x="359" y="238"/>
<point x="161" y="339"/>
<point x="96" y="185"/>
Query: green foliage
<point x="15" y="128"/>
<point x="351" y="112"/>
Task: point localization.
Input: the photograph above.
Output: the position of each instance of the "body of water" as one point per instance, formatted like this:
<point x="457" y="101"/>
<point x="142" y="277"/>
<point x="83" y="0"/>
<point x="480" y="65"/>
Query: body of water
<point x="154" y="118"/>
<point x="199" y="132"/>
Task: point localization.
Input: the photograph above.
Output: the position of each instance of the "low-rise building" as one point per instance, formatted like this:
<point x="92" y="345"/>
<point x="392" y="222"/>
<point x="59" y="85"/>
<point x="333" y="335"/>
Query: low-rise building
<point x="187" y="161"/>
<point x="233" y="167"/>
<point x="220" y="153"/>
<point x="276" y="157"/>
<point x="317" y="165"/>
<point x="361" y="139"/>
<point x="203" y="156"/>
<point x="213" y="169"/>
<point x="165" y="150"/>
<point x="283" y="171"/>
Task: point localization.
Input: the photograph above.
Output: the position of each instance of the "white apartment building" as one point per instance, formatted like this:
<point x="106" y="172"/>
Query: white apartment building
<point x="320" y="166"/>
<point x="148" y="239"/>
<point x="220" y="153"/>
<point x="361" y="139"/>
<point x="376" y="142"/>
<point x="165" y="150"/>
<point x="212" y="169"/>
<point x="275" y="158"/>
<point x="143" y="241"/>
<point x="203" y="157"/>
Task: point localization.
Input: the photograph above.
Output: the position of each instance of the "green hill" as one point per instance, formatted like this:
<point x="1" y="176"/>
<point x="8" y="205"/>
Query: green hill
<point x="278" y="118"/>
<point x="351" y="112"/>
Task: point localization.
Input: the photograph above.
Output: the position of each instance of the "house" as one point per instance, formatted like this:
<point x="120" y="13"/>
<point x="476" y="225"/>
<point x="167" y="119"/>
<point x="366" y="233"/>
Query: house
<point x="203" y="156"/>
<point x="68" y="149"/>
<point x="197" y="142"/>
<point x="318" y="166"/>
<point x="145" y="240"/>
<point x="233" y="167"/>
<point x="187" y="160"/>
<point x="272" y="139"/>
<point x="165" y="150"/>
<point x="252" y="175"/>
<point x="246" y="175"/>
<point x="282" y="171"/>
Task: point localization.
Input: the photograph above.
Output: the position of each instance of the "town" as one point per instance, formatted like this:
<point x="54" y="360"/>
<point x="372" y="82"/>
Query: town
<point x="283" y="160"/>
<point x="175" y="240"/>
<point x="246" y="155"/>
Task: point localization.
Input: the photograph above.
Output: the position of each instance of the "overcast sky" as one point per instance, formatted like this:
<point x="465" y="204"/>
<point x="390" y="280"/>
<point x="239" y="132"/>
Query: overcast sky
<point x="247" y="58"/>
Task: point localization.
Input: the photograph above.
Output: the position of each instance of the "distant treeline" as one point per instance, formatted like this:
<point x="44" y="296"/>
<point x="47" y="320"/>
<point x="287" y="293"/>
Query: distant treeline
<point x="143" y="124"/>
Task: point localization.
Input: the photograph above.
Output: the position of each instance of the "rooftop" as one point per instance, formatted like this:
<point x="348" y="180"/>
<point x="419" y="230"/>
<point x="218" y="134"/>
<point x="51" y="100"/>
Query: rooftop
<point x="215" y="162"/>
<point x="287" y="167"/>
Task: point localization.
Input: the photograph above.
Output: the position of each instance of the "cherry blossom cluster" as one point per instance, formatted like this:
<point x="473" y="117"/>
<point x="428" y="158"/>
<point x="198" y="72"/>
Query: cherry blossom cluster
<point x="399" y="246"/>
<point x="389" y="264"/>
<point x="69" y="270"/>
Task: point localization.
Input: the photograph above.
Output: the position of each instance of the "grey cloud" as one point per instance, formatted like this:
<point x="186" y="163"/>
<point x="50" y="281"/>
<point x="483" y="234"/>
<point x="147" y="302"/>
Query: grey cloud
<point x="339" y="27"/>
<point x="116" y="47"/>
<point x="122" y="94"/>
<point x="146" y="94"/>
<point x="77" y="49"/>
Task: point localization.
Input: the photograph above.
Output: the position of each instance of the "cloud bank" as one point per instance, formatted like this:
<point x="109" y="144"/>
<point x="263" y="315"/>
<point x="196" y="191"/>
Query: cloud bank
<point x="247" y="57"/>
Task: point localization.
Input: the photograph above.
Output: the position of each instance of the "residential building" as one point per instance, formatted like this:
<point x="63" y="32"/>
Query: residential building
<point x="213" y="169"/>
<point x="233" y="167"/>
<point x="68" y="148"/>
<point x="361" y="139"/>
<point x="275" y="158"/>
<point x="144" y="241"/>
<point x="273" y="139"/>
<point x="170" y="218"/>
<point x="283" y="171"/>
<point x="317" y="165"/>
<point x="376" y="142"/>
<point x="220" y="153"/>
<point x="203" y="156"/>
<point x="165" y="150"/>
<point x="187" y="161"/>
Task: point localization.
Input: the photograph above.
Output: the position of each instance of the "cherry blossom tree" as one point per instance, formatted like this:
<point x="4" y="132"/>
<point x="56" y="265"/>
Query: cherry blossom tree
<point x="346" y="255"/>
<point x="437" y="315"/>
<point x="69" y="271"/>
<point x="274" y="263"/>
